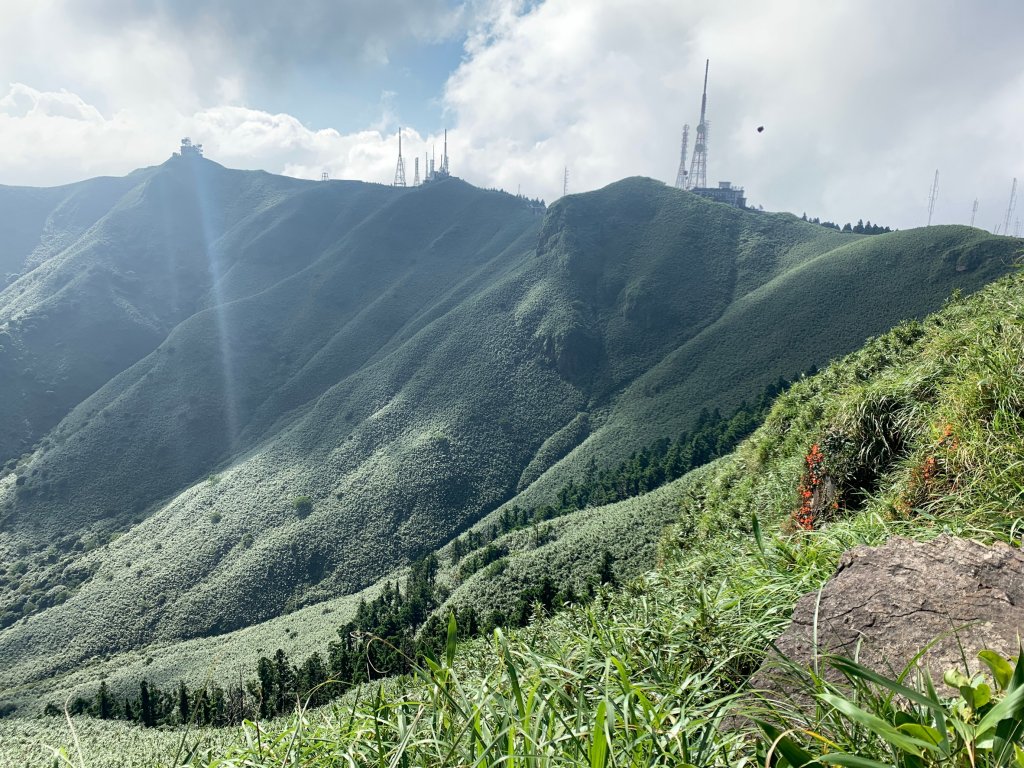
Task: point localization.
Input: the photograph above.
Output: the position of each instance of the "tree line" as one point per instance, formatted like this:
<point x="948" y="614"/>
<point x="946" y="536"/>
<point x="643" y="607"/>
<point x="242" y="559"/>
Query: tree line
<point x="860" y="228"/>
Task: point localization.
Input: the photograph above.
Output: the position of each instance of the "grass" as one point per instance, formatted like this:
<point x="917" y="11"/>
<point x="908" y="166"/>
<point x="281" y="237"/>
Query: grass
<point x="647" y="674"/>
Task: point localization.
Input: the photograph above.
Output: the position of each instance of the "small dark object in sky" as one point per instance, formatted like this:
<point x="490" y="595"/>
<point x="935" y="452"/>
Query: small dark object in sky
<point x="760" y="129"/>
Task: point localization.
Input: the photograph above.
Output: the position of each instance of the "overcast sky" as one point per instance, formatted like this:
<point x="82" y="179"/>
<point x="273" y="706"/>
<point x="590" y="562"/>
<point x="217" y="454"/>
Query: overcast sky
<point x="861" y="101"/>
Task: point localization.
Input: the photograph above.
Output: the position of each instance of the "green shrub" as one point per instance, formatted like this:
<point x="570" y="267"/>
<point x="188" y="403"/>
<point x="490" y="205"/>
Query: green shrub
<point x="303" y="505"/>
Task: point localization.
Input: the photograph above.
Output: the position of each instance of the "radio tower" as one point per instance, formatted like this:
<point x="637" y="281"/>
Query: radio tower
<point x="698" y="176"/>
<point x="933" y="193"/>
<point x="681" y="174"/>
<point x="416" y="175"/>
<point x="974" y="211"/>
<point x="565" y="181"/>
<point x="444" y="157"/>
<point x="1010" y="207"/>
<point x="400" y="168"/>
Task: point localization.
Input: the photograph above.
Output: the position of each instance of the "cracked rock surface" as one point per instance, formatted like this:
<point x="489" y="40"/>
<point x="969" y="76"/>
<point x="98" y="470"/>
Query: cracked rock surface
<point x="884" y="604"/>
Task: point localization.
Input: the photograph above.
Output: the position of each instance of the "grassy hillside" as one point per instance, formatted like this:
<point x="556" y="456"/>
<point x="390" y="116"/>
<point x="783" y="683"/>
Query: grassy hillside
<point x="330" y="379"/>
<point x="922" y="432"/>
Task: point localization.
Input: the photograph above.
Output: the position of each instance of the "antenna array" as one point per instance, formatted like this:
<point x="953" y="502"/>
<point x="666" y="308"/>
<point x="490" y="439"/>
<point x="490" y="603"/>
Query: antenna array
<point x="681" y="173"/>
<point x="1010" y="207"/>
<point x="933" y="195"/>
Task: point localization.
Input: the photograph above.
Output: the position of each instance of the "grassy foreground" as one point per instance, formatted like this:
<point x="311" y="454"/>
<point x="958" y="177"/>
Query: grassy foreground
<point x="922" y="432"/>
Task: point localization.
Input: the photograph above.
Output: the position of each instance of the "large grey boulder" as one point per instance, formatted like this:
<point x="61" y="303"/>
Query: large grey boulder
<point x="885" y="604"/>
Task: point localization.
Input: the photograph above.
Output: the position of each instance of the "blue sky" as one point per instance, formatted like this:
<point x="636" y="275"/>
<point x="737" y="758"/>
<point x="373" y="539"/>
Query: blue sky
<point x="348" y="98"/>
<point x="862" y="100"/>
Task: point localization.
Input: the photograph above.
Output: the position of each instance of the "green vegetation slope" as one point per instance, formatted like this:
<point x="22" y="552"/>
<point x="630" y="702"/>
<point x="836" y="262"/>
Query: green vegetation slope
<point x="319" y="382"/>
<point x="921" y="432"/>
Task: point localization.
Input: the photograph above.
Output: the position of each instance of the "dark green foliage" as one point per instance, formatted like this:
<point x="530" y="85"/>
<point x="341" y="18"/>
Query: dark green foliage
<point x="860" y="228"/>
<point x="146" y="708"/>
<point x="713" y="435"/>
<point x="104" y="708"/>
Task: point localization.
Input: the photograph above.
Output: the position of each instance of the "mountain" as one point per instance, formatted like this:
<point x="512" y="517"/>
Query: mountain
<point x="915" y="437"/>
<point x="235" y="394"/>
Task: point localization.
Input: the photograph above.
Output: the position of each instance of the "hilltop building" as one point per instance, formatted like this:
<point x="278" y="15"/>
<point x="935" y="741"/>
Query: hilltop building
<point x="725" y="192"/>
<point x="188" y="149"/>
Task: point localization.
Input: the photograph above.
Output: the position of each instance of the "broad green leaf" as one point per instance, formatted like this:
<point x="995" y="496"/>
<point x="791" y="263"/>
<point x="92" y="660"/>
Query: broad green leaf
<point x="757" y="534"/>
<point x="852" y="761"/>
<point x="1002" y="670"/>
<point x="858" y="671"/>
<point x="877" y="725"/>
<point x="1011" y="706"/>
<point x="954" y="678"/>
<point x="1018" y="755"/>
<point x="925" y="733"/>
<point x="982" y="695"/>
<point x="598" y="752"/>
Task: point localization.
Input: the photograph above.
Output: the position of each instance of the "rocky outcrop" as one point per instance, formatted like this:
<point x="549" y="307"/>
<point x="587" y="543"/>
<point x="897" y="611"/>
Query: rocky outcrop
<point x="885" y="604"/>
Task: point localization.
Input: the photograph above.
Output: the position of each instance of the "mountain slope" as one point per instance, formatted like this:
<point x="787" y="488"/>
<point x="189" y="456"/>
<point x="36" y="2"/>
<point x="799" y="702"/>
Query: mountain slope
<point x="919" y="433"/>
<point x="324" y="380"/>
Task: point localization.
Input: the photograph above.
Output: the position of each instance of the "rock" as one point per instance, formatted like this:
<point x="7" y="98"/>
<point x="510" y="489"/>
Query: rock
<point x="885" y="604"/>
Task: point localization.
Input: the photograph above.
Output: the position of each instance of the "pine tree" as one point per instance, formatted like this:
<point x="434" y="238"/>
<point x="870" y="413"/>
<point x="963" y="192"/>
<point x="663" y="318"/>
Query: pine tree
<point x="146" y="713"/>
<point x="104" y="706"/>
<point x="183" y="703"/>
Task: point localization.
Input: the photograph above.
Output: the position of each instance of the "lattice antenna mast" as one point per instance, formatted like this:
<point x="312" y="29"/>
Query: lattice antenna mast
<point x="1010" y="207"/>
<point x="416" y="176"/>
<point x="565" y="181"/>
<point x="698" y="176"/>
<point x="681" y="174"/>
<point x="933" y="195"/>
<point x="400" y="168"/>
<point x="974" y="211"/>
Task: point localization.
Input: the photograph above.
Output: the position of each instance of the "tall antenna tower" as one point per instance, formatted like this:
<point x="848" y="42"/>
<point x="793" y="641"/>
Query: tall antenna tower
<point x="565" y="181"/>
<point x="400" y="168"/>
<point x="681" y="174"/>
<point x="1010" y="207"/>
<point x="933" y="194"/>
<point x="698" y="177"/>
<point x="416" y="176"/>
<point x="444" y="158"/>
<point x="974" y="211"/>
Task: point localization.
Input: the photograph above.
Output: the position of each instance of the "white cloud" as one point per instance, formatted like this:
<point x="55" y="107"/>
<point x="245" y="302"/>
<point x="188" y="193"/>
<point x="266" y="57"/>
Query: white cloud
<point x="861" y="101"/>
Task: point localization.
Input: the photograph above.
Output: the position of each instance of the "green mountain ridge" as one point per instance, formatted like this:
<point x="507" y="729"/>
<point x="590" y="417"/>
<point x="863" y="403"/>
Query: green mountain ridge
<point x="405" y="358"/>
